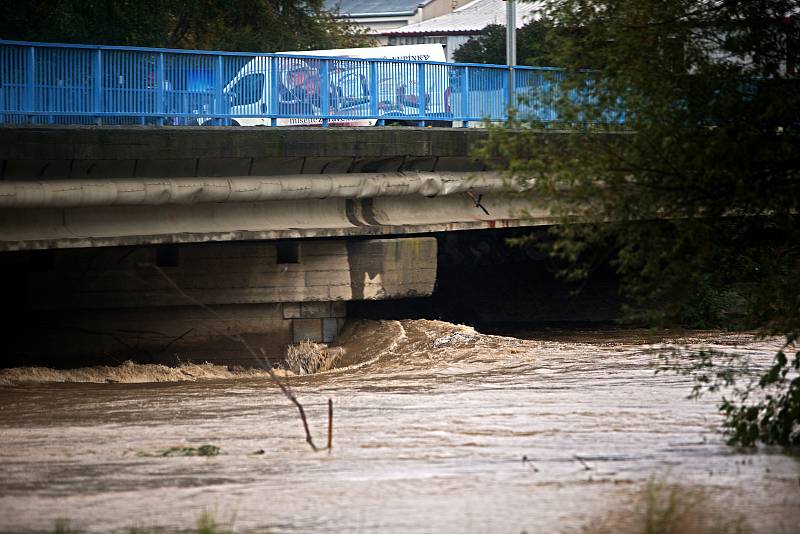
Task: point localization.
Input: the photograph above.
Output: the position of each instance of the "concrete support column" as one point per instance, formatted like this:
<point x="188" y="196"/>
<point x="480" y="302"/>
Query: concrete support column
<point x="315" y="321"/>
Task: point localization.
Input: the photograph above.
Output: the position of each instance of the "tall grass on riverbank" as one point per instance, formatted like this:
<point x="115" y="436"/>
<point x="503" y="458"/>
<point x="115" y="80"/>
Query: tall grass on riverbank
<point x="206" y="523"/>
<point x="664" y="508"/>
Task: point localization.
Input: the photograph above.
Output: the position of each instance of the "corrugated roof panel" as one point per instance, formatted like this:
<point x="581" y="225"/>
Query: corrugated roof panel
<point x="472" y="18"/>
<point x="375" y="8"/>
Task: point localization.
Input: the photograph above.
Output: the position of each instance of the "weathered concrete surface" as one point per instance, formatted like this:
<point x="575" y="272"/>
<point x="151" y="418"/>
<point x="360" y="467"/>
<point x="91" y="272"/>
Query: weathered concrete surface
<point x="66" y="152"/>
<point x="42" y="194"/>
<point x="391" y="268"/>
<point x="137" y="225"/>
<point x="236" y="273"/>
<point x="116" y="161"/>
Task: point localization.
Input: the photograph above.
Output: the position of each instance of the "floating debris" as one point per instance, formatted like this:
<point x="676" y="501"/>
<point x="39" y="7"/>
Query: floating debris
<point x="307" y="357"/>
<point x="456" y="338"/>
<point x="202" y="450"/>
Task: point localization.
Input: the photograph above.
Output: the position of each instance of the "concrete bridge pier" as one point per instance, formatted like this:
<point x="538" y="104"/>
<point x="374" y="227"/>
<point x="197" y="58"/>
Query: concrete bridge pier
<point x="109" y="304"/>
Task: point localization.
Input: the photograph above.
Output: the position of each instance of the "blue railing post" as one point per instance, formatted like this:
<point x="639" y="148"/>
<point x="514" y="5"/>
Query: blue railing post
<point x="373" y="88"/>
<point x="218" y="108"/>
<point x="97" y="85"/>
<point x="465" y="98"/>
<point x="421" y="86"/>
<point x="160" y="92"/>
<point x="274" y="85"/>
<point x="30" y="81"/>
<point x="325" y="87"/>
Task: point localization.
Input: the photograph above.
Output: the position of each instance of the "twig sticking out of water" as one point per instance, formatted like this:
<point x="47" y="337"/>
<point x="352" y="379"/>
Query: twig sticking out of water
<point x="330" y="425"/>
<point x="526" y="461"/>
<point x="582" y="462"/>
<point x="263" y="359"/>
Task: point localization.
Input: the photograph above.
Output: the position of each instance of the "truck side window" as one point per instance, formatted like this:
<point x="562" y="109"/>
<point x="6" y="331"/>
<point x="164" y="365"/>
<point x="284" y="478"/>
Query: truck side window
<point x="248" y="90"/>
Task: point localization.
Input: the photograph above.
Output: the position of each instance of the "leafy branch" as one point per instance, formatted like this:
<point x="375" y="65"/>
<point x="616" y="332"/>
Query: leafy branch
<point x="771" y="419"/>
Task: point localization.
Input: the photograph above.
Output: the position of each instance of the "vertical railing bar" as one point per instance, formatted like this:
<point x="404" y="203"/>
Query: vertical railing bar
<point x="465" y="104"/>
<point x="373" y="87"/>
<point x="218" y="108"/>
<point x="97" y="80"/>
<point x="325" y="87"/>
<point x="49" y="94"/>
<point x="64" y="88"/>
<point x="421" y="87"/>
<point x="30" y="81"/>
<point x="3" y="76"/>
<point x="274" y="97"/>
<point x="143" y="94"/>
<point x="161" y="89"/>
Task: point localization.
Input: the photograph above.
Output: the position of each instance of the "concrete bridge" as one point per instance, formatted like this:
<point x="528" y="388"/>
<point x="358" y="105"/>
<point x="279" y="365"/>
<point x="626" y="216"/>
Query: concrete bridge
<point x="276" y="229"/>
<point x="64" y="187"/>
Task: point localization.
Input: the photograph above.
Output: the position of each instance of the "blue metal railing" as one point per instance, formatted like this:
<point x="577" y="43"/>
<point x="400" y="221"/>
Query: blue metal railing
<point x="81" y="84"/>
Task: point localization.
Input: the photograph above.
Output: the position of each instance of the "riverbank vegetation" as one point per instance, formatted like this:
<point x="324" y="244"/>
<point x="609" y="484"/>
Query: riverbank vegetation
<point x="664" y="508"/>
<point x="680" y="165"/>
<point x="657" y="507"/>
<point x="207" y="522"/>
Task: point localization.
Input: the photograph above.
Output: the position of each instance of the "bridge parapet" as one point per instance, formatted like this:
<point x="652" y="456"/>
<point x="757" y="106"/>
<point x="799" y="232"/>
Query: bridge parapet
<point x="89" y="84"/>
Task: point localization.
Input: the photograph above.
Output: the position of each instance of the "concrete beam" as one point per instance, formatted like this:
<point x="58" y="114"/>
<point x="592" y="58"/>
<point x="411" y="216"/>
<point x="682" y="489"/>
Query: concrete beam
<point x="29" y="229"/>
<point x="228" y="145"/>
<point x="157" y="192"/>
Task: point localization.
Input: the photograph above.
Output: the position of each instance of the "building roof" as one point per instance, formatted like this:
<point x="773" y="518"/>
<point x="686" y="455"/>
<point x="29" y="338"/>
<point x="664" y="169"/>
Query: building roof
<point x="471" y="18"/>
<point x="375" y="8"/>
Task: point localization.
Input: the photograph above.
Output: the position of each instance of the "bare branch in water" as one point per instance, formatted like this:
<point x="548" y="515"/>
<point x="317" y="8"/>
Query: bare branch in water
<point x="330" y="425"/>
<point x="262" y="359"/>
<point x="586" y="466"/>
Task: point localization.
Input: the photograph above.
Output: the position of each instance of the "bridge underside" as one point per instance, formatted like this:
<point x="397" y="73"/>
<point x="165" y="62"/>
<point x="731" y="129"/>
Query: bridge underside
<point x="165" y="304"/>
<point x="109" y="233"/>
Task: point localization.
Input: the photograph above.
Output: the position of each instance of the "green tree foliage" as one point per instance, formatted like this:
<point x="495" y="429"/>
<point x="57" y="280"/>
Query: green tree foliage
<point x="240" y="25"/>
<point x="694" y="198"/>
<point x="490" y="46"/>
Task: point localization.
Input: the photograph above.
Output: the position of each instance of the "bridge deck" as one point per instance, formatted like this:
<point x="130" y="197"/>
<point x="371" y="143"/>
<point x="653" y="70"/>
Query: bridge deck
<point x="84" y="157"/>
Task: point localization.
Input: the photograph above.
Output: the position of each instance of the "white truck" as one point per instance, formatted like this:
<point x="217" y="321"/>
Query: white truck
<point x="304" y="87"/>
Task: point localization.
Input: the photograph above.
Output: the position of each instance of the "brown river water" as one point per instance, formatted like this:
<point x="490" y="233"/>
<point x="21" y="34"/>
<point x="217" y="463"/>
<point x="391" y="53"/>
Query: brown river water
<point x="432" y="421"/>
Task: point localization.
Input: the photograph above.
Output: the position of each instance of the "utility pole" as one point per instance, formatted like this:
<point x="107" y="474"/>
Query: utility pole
<point x="511" y="49"/>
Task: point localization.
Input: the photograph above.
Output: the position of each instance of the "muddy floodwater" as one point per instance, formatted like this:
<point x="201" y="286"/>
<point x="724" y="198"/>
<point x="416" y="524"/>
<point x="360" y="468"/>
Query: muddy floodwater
<point x="432" y="422"/>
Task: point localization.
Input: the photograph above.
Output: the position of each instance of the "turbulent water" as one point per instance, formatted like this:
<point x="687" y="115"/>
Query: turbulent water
<point x="432" y="422"/>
